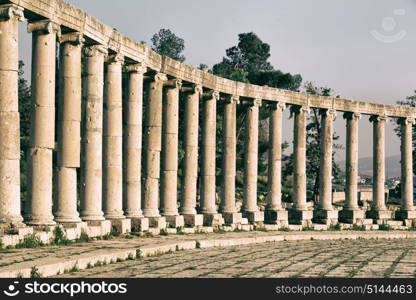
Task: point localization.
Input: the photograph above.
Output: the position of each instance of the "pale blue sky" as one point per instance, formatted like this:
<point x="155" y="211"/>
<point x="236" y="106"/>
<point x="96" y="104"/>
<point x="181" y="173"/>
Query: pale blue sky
<point x="328" y="42"/>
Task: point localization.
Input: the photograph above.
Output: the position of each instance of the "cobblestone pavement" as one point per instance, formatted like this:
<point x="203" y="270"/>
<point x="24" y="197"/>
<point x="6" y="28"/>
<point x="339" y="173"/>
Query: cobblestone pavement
<point x="340" y="258"/>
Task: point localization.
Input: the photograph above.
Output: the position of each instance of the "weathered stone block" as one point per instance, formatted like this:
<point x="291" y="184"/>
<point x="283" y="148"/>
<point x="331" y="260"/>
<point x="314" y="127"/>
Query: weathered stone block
<point x="380" y="214"/>
<point x="139" y="224"/>
<point x="405" y="214"/>
<point x="157" y="222"/>
<point x="327" y="217"/>
<point x="213" y="220"/>
<point x="193" y="220"/>
<point x="351" y="216"/>
<point x="274" y="216"/>
<point x="232" y="218"/>
<point x="121" y="225"/>
<point x="298" y="216"/>
<point x="254" y="216"/>
<point x="175" y="221"/>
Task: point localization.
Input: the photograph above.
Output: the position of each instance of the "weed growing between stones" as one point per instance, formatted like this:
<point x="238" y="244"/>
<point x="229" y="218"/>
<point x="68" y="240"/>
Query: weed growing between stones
<point x="34" y="273"/>
<point x="30" y="241"/>
<point x="59" y="237"/>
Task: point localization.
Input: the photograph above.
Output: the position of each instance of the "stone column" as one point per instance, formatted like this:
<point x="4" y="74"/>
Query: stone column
<point x="132" y="152"/>
<point x="227" y="207"/>
<point x="325" y="212"/>
<point x="170" y="133"/>
<point x="250" y="208"/>
<point x="275" y="214"/>
<point x="190" y="175"/>
<point x="153" y="146"/>
<point x="69" y="127"/>
<point x="208" y="168"/>
<point x="299" y="213"/>
<point x="91" y="171"/>
<point x="407" y="210"/>
<point x="42" y="139"/>
<point x="10" y="15"/>
<point x="351" y="212"/>
<point x="112" y="142"/>
<point x="378" y="206"/>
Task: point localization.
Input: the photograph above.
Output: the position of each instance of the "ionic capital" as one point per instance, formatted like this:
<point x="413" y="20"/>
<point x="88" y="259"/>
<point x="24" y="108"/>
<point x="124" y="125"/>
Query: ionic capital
<point x="277" y="106"/>
<point x="378" y="118"/>
<point x="44" y="27"/>
<point x="140" y="68"/>
<point x="298" y="109"/>
<point x="115" y="59"/>
<point x="329" y="113"/>
<point x="159" y="78"/>
<point x="11" y="11"/>
<point x="256" y="102"/>
<point x="352" y="116"/>
<point x="232" y="99"/>
<point x="95" y="50"/>
<point x="73" y="37"/>
<point x="174" y="83"/>
<point x="406" y="121"/>
<point x="211" y="95"/>
<point x="193" y="89"/>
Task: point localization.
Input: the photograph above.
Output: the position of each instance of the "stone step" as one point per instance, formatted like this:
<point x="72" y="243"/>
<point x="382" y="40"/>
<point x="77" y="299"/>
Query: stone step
<point x="244" y="221"/>
<point x="371" y="227"/>
<point x="316" y="226"/>
<point x="295" y="227"/>
<point x="366" y="221"/>
<point x="394" y="223"/>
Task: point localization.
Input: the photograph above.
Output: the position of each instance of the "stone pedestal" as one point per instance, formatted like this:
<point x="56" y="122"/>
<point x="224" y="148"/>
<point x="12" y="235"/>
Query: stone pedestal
<point x="322" y="216"/>
<point x="175" y="221"/>
<point x="300" y="217"/>
<point x="121" y="225"/>
<point x="254" y="216"/>
<point x="139" y="224"/>
<point x="157" y="222"/>
<point x="213" y="219"/>
<point x="103" y="225"/>
<point x="380" y="214"/>
<point x="351" y="216"/>
<point x="405" y="214"/>
<point x="275" y="216"/>
<point x="193" y="220"/>
<point x="232" y="218"/>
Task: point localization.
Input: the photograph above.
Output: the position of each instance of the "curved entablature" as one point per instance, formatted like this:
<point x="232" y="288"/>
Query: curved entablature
<point x="75" y="19"/>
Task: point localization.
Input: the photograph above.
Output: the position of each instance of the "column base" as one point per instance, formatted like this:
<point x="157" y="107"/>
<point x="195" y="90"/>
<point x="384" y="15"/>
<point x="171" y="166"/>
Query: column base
<point x="117" y="215"/>
<point x="232" y="218"/>
<point x="157" y="222"/>
<point x="121" y="225"/>
<point x="68" y="219"/>
<point x="193" y="220"/>
<point x="213" y="219"/>
<point x="351" y="216"/>
<point x="175" y="221"/>
<point x="74" y="230"/>
<point x="300" y="217"/>
<point x="275" y="216"/>
<point x="139" y="224"/>
<point x="254" y="216"/>
<point x="328" y="217"/>
<point x="405" y="214"/>
<point x="98" y="228"/>
<point x="40" y="222"/>
<point x="380" y="214"/>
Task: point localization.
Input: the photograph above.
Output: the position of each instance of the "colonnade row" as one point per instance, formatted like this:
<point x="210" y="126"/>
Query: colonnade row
<point x="111" y="146"/>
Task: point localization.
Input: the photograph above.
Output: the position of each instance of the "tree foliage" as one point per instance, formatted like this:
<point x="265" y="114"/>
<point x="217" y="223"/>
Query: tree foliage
<point x="165" y="42"/>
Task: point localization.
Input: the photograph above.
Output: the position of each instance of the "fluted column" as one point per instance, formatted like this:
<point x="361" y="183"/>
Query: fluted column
<point x="378" y="206"/>
<point x="10" y="15"/>
<point x="42" y="139"/>
<point x="112" y="140"/>
<point x="133" y="142"/>
<point x="407" y="210"/>
<point x="170" y="133"/>
<point x="274" y="211"/>
<point x="325" y="212"/>
<point x="69" y="127"/>
<point x="299" y="212"/>
<point x="92" y="140"/>
<point x="250" y="208"/>
<point x="351" y="211"/>
<point x="153" y="146"/>
<point x="228" y="207"/>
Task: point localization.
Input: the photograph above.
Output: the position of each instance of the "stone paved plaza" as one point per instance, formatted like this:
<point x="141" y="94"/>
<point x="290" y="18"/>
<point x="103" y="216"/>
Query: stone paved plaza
<point x="312" y="258"/>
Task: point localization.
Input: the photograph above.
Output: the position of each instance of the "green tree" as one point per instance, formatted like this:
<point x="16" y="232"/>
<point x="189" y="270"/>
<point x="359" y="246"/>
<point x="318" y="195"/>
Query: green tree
<point x="165" y="42"/>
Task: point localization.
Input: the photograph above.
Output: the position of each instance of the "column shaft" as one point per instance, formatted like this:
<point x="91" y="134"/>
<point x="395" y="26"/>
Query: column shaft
<point x="133" y="142"/>
<point x="153" y="146"/>
<point x="42" y="140"/>
<point x="209" y="130"/>
<point x="325" y="169"/>
<point x="69" y="127"/>
<point x="10" y="15"/>
<point x="169" y="180"/>
<point x="407" y="163"/>
<point x="251" y="157"/>
<point x="112" y="140"/>
<point x="378" y="162"/>
<point x="190" y="177"/>
<point x="299" y="154"/>
<point x="91" y="171"/>
<point x="274" y="186"/>
<point x="229" y="155"/>
<point x="351" y="189"/>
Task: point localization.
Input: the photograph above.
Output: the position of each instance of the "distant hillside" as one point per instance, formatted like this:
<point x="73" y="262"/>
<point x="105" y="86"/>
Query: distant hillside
<point x="365" y="165"/>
